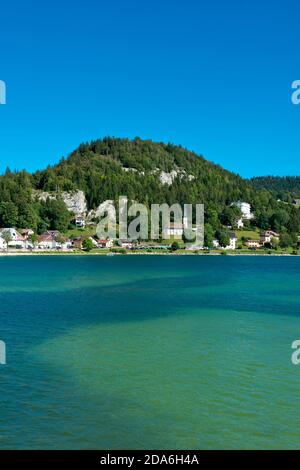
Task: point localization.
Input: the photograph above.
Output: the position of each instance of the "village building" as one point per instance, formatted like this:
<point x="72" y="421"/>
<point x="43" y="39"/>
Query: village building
<point x="232" y="242"/>
<point x="128" y="244"/>
<point x="105" y="243"/>
<point x="79" y="221"/>
<point x="77" y="242"/>
<point x="253" y="243"/>
<point x="48" y="240"/>
<point x="266" y="237"/>
<point x="53" y="240"/>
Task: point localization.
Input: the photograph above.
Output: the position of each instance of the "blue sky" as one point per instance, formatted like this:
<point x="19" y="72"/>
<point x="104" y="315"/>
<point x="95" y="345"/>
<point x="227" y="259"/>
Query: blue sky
<point x="214" y="77"/>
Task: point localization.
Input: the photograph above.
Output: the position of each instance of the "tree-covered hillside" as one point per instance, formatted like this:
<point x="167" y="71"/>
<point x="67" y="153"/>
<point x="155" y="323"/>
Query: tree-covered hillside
<point x="283" y="187"/>
<point x="144" y="171"/>
<point x="99" y="169"/>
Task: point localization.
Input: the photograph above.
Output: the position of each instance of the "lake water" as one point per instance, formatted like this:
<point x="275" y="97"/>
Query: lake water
<point x="149" y="352"/>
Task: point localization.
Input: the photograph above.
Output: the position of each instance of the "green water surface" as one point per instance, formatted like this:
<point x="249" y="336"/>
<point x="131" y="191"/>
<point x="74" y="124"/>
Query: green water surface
<point x="153" y="352"/>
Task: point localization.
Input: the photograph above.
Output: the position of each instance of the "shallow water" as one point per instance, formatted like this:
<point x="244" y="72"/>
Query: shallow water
<point x="149" y="352"/>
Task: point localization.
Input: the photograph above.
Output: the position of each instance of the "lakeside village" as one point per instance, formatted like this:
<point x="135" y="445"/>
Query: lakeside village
<point x="82" y="239"/>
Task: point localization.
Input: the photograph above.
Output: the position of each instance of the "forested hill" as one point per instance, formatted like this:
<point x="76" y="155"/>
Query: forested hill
<point x="142" y="170"/>
<point x="282" y="187"/>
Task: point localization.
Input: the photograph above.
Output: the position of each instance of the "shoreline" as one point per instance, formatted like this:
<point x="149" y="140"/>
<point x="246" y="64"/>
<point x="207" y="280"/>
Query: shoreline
<point x="52" y="253"/>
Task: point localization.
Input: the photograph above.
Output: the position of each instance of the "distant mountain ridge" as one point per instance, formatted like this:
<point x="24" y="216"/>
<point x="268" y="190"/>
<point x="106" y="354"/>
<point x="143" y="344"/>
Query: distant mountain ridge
<point x="278" y="184"/>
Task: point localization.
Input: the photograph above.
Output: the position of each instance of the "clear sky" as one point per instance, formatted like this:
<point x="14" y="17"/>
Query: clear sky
<point x="214" y="77"/>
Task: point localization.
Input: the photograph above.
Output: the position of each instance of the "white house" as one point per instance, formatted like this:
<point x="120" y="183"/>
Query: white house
<point x="65" y="245"/>
<point x="232" y="242"/>
<point x="48" y="240"/>
<point x="105" y="243"/>
<point x="79" y="221"/>
<point x="245" y="208"/>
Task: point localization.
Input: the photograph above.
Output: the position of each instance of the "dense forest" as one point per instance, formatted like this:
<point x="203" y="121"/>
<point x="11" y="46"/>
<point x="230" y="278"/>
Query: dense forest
<point x="98" y="169"/>
<point x="284" y="187"/>
<point x="110" y="167"/>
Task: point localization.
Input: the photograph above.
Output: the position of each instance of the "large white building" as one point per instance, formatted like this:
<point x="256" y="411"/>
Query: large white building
<point x="245" y="208"/>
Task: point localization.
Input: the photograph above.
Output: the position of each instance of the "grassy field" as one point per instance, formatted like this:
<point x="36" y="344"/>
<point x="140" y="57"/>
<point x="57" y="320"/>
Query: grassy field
<point x="249" y="234"/>
<point x="81" y="232"/>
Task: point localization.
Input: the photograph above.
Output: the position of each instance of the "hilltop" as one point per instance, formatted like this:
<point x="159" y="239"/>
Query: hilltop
<point x="143" y="170"/>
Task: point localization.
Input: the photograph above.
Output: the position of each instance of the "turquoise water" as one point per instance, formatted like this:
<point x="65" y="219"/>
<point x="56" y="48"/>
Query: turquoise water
<point x="149" y="352"/>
